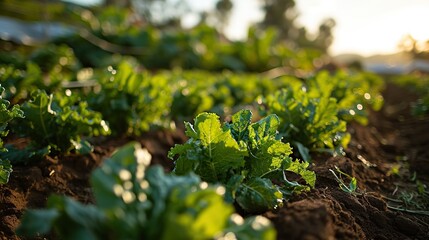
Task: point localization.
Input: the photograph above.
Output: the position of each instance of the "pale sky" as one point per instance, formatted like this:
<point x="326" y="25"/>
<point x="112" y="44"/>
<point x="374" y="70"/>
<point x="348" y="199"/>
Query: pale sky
<point x="368" y="26"/>
<point x="363" y="26"/>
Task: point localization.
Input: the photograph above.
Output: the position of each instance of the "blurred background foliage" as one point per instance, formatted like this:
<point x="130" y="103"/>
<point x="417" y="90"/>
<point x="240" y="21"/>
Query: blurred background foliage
<point x="151" y="32"/>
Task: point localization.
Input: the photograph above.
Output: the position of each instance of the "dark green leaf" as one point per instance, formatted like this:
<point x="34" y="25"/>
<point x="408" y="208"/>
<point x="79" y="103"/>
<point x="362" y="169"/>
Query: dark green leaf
<point x="303" y="151"/>
<point x="5" y="171"/>
<point x="26" y="155"/>
<point x="36" y="222"/>
<point x="195" y="215"/>
<point x="257" y="195"/>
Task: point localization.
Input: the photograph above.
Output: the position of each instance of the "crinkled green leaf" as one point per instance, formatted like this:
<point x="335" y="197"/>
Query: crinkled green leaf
<point x="187" y="157"/>
<point x="58" y="122"/>
<point x="217" y="150"/>
<point x="264" y="154"/>
<point x="240" y="126"/>
<point x="195" y="215"/>
<point x="264" y="129"/>
<point x="132" y="101"/>
<point x="269" y="155"/>
<point x="354" y="92"/>
<point x="5" y="171"/>
<point x="301" y="168"/>
<point x="258" y="195"/>
<point x="309" y="123"/>
<point x="6" y="116"/>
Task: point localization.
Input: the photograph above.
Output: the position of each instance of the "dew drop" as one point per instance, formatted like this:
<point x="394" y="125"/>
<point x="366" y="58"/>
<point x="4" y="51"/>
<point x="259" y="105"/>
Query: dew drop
<point x="143" y="156"/>
<point x="118" y="190"/>
<point x="367" y="96"/>
<point x="220" y="190"/>
<point x="359" y="106"/>
<point x="260" y="222"/>
<point x="142" y="197"/>
<point x="128" y="185"/>
<point x="144" y="184"/>
<point x="124" y="175"/>
<point x="204" y="185"/>
<point x="128" y="197"/>
<point x="237" y="219"/>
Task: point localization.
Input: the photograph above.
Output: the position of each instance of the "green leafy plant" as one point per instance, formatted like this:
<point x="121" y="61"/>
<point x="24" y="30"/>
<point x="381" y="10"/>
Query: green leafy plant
<point x="309" y="124"/>
<point x="19" y="82"/>
<point x="348" y="188"/>
<point x="5" y="171"/>
<point x="411" y="196"/>
<point x="134" y="201"/>
<point x="354" y="92"/>
<point x="243" y="155"/>
<point x="47" y="68"/>
<point x="59" y="122"/>
<point x="6" y="115"/>
<point x="201" y="91"/>
<point x="132" y="102"/>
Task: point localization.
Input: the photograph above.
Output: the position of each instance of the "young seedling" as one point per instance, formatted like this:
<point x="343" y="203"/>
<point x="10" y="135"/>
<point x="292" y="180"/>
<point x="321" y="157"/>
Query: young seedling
<point x="412" y="197"/>
<point x="348" y="188"/>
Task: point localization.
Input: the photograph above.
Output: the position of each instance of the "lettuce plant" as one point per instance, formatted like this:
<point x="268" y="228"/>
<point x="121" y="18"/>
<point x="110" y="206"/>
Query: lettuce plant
<point x="132" y="102"/>
<point x="135" y="201"/>
<point x="59" y="122"/>
<point x="243" y="155"/>
<point x="6" y="115"/>
<point x="354" y="92"/>
<point x="309" y="124"/>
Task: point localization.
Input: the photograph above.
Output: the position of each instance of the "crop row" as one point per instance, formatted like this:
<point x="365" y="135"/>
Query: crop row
<point x="60" y="108"/>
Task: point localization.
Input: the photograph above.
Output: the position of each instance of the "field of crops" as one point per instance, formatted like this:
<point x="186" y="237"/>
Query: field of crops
<point x="120" y="148"/>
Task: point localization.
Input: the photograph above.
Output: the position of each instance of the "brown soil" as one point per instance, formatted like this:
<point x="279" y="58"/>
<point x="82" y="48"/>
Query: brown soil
<point x="326" y="212"/>
<point x="330" y="213"/>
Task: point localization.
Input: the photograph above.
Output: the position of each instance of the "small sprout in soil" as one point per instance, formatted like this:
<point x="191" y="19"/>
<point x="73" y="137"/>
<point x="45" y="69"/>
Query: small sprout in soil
<point x="394" y="170"/>
<point x="349" y="188"/>
<point x="411" y="198"/>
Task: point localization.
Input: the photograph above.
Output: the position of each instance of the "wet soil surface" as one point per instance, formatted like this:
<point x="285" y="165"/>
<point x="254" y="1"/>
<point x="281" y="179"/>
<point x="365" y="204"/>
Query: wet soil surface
<point x="392" y="140"/>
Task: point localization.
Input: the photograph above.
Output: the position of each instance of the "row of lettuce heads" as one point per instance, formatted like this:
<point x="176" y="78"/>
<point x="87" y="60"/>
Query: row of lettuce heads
<point x="100" y="37"/>
<point x="239" y="162"/>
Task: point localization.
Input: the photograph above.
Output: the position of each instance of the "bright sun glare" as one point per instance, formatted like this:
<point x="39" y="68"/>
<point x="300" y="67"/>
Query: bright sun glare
<point x="381" y="34"/>
<point x="363" y="26"/>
